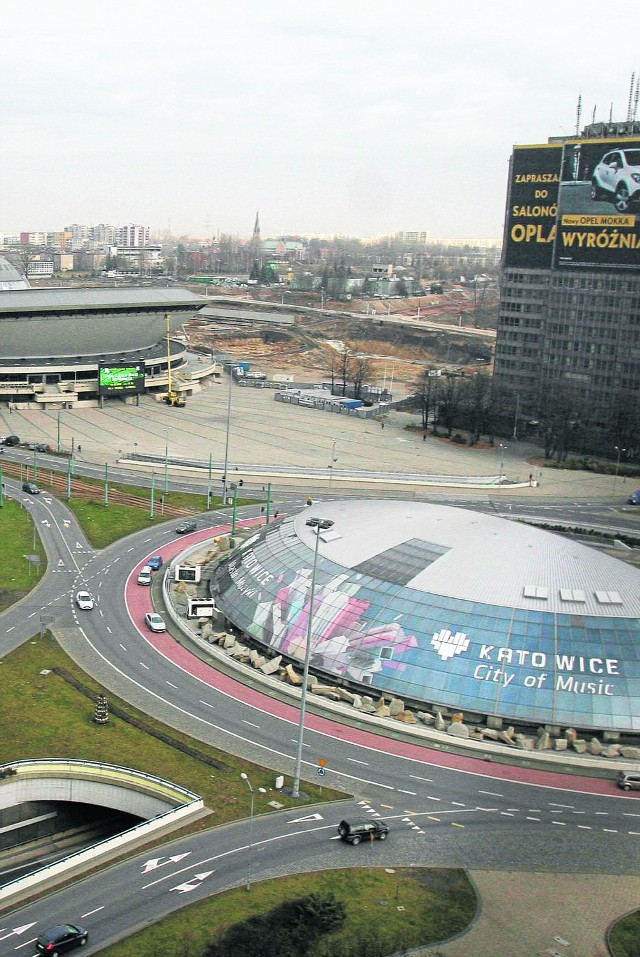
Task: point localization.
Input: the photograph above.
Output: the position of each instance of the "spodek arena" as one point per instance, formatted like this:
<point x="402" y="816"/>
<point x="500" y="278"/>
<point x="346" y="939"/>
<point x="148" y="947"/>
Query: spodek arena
<point x="448" y="607"/>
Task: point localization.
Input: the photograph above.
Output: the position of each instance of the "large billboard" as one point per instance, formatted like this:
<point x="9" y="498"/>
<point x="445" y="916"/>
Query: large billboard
<point x="532" y="209"/>
<point x="599" y="205"/>
<point x="121" y="379"/>
<point x="574" y="204"/>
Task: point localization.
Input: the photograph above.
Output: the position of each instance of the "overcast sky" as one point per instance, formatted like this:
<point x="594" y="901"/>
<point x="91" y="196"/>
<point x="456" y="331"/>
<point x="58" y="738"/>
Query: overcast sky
<point x="355" y="117"/>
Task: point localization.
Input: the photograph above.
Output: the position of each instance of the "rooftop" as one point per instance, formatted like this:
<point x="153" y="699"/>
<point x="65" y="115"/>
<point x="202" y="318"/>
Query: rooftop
<point x="82" y="299"/>
<point x="462" y="554"/>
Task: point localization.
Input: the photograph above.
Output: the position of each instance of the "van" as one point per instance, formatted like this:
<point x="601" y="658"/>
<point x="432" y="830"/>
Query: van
<point x="145" y="575"/>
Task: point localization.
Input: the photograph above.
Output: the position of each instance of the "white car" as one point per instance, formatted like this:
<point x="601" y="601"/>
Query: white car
<point x="154" y="622"/>
<point x="617" y="177"/>
<point x="84" y="601"/>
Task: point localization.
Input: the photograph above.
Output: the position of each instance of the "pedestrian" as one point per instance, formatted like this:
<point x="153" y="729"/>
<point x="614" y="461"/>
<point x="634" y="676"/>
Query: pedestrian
<point x="309" y="501"/>
<point x="424" y="436"/>
<point x="79" y="448"/>
<point x="530" y="478"/>
<point x="276" y="513"/>
<point x="382" y="425"/>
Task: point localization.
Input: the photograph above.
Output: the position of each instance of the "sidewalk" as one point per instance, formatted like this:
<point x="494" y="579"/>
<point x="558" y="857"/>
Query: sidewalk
<point x="526" y="915"/>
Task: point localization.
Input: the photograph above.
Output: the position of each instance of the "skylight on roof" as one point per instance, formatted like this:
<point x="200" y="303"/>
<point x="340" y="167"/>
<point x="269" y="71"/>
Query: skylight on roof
<point x="401" y="563"/>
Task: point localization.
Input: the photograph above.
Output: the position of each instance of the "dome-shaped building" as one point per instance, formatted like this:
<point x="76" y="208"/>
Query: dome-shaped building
<point x="10" y="278"/>
<point x="446" y="606"/>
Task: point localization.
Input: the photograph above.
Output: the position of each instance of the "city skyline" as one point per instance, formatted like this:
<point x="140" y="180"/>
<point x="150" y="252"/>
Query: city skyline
<point x="354" y="120"/>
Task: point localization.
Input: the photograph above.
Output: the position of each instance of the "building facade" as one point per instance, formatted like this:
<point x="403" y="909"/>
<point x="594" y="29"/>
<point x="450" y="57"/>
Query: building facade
<point x="445" y="608"/>
<point x="569" y="319"/>
<point x="61" y="348"/>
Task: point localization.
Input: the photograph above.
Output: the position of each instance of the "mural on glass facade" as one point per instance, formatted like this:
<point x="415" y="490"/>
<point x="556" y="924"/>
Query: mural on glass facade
<point x="522" y="664"/>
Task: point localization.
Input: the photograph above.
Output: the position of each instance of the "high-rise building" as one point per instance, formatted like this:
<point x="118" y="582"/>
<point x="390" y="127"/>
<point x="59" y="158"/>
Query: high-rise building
<point x="569" y="320"/>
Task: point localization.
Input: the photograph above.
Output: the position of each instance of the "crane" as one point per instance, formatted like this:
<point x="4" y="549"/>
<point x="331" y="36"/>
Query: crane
<point x="171" y="398"/>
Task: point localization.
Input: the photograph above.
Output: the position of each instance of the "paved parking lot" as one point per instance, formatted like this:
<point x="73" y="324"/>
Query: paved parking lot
<point x="263" y="431"/>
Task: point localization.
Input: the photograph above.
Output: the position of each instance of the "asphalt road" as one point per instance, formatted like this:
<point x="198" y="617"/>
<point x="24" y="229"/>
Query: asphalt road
<point x="444" y="810"/>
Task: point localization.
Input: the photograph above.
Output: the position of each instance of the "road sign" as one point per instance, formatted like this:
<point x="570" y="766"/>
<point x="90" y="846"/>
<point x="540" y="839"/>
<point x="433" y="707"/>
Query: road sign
<point x="321" y="772"/>
<point x="322" y="762"/>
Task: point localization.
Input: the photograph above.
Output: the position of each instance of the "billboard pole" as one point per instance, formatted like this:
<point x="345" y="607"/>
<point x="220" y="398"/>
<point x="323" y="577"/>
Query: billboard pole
<point x="153" y="488"/>
<point x="106" y="483"/>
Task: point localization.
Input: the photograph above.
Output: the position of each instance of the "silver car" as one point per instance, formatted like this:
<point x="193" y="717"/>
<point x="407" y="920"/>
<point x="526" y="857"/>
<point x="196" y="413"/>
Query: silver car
<point x="154" y="621"/>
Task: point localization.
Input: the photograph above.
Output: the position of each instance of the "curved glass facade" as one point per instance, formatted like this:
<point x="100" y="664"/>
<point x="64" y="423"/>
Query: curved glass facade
<point x="525" y="666"/>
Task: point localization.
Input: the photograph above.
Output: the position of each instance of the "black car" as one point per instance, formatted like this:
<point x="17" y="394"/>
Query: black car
<point x="31" y="488"/>
<point x="357" y="831"/>
<point x="12" y="440"/>
<point x="40" y="447"/>
<point x="185" y="527"/>
<point x="61" y="938"/>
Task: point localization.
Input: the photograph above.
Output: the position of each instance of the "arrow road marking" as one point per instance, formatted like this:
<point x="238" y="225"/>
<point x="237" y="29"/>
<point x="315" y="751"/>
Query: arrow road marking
<point x="161" y="861"/>
<point x="16" y="930"/>
<point x="309" y="817"/>
<point x="192" y="884"/>
<point x="46" y="522"/>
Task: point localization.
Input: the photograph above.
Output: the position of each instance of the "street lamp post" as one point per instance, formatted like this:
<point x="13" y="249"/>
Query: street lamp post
<point x="334" y="459"/>
<point x="503" y="449"/>
<point x="166" y="461"/>
<point x="245" y="777"/>
<point x="319" y="524"/>
<point x="620" y="451"/>
<point x="226" y="445"/>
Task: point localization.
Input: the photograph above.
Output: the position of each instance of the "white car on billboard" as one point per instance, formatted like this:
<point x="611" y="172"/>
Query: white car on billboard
<point x="617" y="177"/>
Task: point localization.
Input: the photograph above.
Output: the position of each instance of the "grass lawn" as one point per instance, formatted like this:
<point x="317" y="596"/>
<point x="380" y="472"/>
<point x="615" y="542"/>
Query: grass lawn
<point x="65" y="729"/>
<point x="18" y="575"/>
<point x="403" y="907"/>
<point x="104" y="525"/>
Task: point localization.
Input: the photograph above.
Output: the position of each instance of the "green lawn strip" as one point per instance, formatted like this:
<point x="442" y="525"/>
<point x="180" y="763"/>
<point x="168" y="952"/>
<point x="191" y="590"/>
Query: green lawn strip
<point x="104" y="525"/>
<point x="65" y="729"/>
<point x="17" y="574"/>
<point x="435" y="904"/>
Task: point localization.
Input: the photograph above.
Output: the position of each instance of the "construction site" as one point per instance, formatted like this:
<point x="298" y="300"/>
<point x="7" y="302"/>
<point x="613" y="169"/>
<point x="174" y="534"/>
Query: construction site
<point x="299" y="335"/>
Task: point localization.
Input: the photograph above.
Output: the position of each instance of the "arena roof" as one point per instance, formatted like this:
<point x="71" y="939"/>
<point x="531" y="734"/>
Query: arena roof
<point x="474" y="556"/>
<point x="83" y="299"/>
<point x="10" y="278"/>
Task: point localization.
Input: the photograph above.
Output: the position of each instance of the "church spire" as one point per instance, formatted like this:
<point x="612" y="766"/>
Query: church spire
<point x="256" y="227"/>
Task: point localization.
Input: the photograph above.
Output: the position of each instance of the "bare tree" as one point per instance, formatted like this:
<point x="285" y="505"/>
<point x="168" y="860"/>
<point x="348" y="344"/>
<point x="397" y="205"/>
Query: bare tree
<point x="476" y="402"/>
<point x="360" y="369"/>
<point x="560" y="418"/>
<point x="427" y="392"/>
<point x="450" y="399"/>
<point x="343" y="368"/>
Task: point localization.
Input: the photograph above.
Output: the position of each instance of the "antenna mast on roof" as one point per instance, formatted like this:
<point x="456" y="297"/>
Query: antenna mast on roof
<point x="630" y="103"/>
<point x="634" y="114"/>
<point x="593" y="115"/>
<point x="610" y="113"/>
<point x="578" y="114"/>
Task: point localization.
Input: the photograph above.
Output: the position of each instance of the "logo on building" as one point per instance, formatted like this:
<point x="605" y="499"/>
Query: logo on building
<point x="448" y="645"/>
